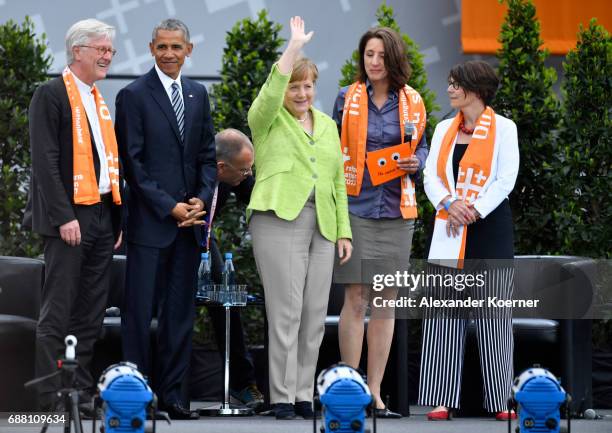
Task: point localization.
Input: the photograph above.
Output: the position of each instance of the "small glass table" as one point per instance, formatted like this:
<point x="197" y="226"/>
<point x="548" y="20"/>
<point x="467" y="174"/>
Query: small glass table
<point x="217" y="295"/>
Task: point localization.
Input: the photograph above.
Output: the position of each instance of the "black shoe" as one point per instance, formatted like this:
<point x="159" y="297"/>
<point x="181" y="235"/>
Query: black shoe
<point x="85" y="396"/>
<point x="88" y="411"/>
<point x="304" y="409"/>
<point x="178" y="411"/>
<point x="386" y="413"/>
<point x="284" y="411"/>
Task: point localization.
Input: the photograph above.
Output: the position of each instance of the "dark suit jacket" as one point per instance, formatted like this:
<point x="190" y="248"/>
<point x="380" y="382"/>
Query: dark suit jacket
<point x="51" y="202"/>
<point x="243" y="194"/>
<point x="242" y="191"/>
<point x="160" y="169"/>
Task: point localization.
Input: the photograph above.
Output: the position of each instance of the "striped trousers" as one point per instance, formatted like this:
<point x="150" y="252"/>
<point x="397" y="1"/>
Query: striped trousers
<point x="444" y="331"/>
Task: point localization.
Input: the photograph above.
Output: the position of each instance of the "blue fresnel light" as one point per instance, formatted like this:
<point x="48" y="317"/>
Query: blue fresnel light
<point x="125" y="397"/>
<point x="538" y="397"/>
<point x="344" y="397"/>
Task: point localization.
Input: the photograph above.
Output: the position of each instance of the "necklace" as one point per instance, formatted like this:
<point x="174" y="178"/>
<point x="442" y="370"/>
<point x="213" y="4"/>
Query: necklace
<point x="304" y="119"/>
<point x="465" y="130"/>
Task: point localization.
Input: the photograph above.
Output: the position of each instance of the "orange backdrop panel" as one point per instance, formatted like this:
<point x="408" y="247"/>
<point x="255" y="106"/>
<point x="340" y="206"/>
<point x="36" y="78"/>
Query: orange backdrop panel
<point x="481" y="22"/>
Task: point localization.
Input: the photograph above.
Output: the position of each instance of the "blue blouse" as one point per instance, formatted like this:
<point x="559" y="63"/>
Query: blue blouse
<point x="382" y="201"/>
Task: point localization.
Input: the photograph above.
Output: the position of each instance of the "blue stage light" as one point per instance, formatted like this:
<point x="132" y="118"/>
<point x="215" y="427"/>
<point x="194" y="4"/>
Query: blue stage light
<point x="538" y="396"/>
<point x="344" y="396"/>
<point x="126" y="397"/>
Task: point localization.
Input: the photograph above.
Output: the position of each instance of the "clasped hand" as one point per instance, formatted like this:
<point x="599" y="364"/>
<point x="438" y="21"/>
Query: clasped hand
<point x="189" y="214"/>
<point x="460" y="213"/>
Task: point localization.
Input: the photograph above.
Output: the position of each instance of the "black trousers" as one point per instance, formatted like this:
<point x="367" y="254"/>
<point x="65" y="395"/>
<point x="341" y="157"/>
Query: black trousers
<point x="169" y="276"/>
<point x="74" y="298"/>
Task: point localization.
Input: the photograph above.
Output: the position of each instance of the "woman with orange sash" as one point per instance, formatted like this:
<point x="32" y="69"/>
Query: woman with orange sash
<point x="471" y="169"/>
<point x="382" y="125"/>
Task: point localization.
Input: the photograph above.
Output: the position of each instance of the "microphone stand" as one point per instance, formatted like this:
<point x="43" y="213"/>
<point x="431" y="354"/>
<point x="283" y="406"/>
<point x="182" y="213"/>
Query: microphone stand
<point x="67" y="367"/>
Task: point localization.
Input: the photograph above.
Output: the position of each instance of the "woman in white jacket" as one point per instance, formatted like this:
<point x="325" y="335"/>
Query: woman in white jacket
<point x="472" y="167"/>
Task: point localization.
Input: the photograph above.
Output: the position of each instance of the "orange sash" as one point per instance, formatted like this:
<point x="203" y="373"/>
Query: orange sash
<point x="474" y="171"/>
<point x="355" y="132"/>
<point x="86" y="190"/>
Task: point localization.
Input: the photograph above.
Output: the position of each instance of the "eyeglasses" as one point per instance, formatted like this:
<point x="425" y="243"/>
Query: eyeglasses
<point x="453" y="84"/>
<point x="243" y="171"/>
<point x="102" y="50"/>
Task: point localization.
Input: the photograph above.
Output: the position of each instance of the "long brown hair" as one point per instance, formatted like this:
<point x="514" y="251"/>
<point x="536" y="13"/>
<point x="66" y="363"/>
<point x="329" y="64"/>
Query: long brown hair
<point x="396" y="61"/>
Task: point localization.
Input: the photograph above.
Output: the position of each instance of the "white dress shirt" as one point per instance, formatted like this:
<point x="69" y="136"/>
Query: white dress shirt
<point x="167" y="83"/>
<point x="89" y="102"/>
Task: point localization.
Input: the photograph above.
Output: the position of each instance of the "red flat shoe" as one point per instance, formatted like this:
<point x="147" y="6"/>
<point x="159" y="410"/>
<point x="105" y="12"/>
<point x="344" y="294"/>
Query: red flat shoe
<point x="439" y="415"/>
<point x="503" y="415"/>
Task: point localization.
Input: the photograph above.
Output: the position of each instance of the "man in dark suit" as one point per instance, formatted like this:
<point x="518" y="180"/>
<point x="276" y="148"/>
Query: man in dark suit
<point x="235" y="157"/>
<point x="166" y="140"/>
<point x="74" y="201"/>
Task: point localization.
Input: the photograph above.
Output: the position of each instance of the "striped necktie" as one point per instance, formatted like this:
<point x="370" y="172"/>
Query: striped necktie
<point x="177" y="104"/>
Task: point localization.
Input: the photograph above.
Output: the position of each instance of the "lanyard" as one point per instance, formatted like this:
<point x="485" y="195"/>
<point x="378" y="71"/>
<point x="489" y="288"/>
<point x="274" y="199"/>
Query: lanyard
<point x="208" y="227"/>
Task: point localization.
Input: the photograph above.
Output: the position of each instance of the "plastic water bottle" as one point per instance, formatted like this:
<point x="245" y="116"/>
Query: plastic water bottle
<point x="204" y="279"/>
<point x="228" y="278"/>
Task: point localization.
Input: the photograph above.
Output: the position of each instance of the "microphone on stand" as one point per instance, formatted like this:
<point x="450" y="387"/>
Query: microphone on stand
<point x="409" y="131"/>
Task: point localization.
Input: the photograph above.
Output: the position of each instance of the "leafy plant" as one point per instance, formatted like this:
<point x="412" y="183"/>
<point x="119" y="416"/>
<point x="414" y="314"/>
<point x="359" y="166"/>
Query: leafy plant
<point x="584" y="148"/>
<point x="252" y="48"/>
<point x="23" y="66"/>
<point x="418" y="81"/>
<point x="526" y="96"/>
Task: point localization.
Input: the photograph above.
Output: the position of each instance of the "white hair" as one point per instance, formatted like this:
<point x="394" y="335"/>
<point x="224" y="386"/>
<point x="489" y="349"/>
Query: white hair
<point x="81" y="32"/>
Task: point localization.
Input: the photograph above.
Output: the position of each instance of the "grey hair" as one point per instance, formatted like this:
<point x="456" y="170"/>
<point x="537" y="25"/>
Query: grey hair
<point x="81" y="32"/>
<point x="171" y="24"/>
<point x="229" y="143"/>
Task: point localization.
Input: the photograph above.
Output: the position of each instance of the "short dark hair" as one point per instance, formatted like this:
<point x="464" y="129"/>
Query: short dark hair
<point x="229" y="143"/>
<point x="171" y="24"/>
<point x="476" y="76"/>
<point x="396" y="61"/>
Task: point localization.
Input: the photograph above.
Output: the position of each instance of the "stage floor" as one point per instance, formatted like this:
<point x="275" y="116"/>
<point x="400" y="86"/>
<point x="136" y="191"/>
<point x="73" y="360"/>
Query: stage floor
<point x="416" y="423"/>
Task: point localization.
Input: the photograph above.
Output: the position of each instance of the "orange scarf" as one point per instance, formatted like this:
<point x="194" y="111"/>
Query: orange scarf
<point x="86" y="190"/>
<point x="355" y="132"/>
<point x="474" y="167"/>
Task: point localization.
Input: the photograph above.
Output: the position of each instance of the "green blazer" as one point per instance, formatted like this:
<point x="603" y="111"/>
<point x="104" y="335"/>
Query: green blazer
<point x="290" y="163"/>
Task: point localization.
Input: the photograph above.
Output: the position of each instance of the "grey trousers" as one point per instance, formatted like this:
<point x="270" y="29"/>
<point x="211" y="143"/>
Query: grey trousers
<point x="295" y="264"/>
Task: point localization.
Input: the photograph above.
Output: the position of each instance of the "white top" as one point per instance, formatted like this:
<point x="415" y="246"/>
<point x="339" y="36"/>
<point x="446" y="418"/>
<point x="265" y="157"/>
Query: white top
<point x="167" y="83"/>
<point x="504" y="168"/>
<point x="89" y="102"/>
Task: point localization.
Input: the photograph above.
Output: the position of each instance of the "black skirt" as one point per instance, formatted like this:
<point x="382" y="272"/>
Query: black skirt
<point x="491" y="237"/>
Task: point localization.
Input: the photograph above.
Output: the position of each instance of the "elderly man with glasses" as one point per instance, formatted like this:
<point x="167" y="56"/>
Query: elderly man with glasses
<point x="74" y="202"/>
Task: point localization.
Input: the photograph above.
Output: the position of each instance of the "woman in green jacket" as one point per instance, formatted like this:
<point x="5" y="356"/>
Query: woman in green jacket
<point x="298" y="212"/>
